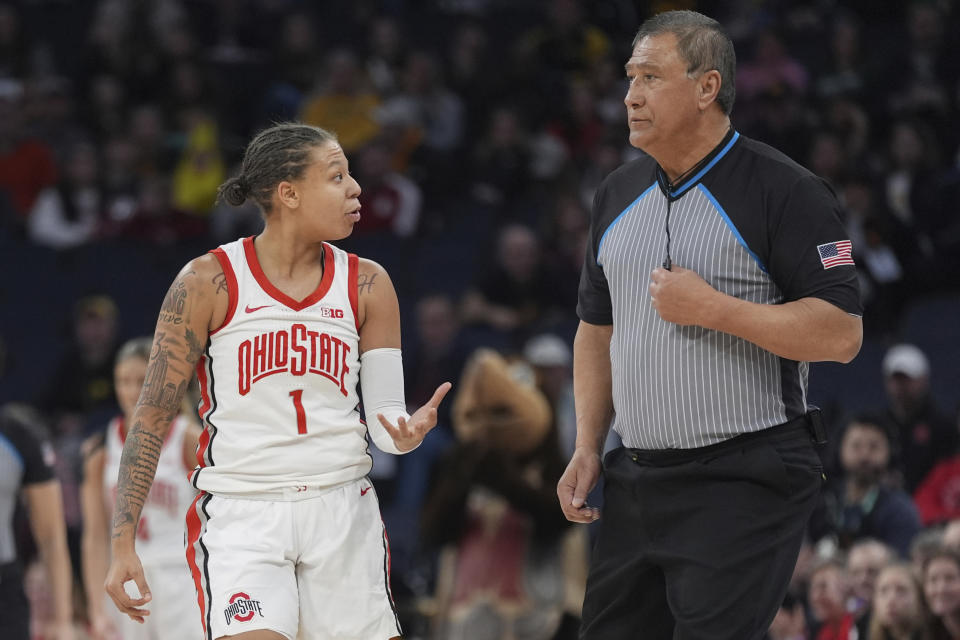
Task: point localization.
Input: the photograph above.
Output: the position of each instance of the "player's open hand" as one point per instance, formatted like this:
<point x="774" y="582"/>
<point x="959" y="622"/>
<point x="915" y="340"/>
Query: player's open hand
<point x="681" y="296"/>
<point x="407" y="434"/>
<point x="577" y="481"/>
<point x="124" y="567"/>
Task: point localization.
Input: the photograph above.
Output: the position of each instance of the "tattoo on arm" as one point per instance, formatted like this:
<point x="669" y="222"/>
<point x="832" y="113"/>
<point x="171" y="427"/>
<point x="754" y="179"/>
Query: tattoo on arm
<point x="138" y="464"/>
<point x="364" y="280"/>
<point x="221" y="281"/>
<point x="174" y="302"/>
<point x="158" y="391"/>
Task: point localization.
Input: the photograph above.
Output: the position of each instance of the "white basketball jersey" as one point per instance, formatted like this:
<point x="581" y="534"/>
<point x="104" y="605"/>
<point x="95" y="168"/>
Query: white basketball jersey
<point x="160" y="530"/>
<point x="278" y="383"/>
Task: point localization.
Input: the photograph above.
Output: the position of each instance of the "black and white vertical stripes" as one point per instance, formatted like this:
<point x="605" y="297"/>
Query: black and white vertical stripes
<point x="683" y="387"/>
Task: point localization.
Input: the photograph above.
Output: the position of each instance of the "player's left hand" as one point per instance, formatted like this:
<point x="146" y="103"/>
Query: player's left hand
<point x="681" y="296"/>
<point x="407" y="434"/>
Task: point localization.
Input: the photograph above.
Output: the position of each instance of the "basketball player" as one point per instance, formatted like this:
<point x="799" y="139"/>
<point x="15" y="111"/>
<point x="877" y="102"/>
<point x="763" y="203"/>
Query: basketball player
<point x="286" y="535"/>
<point x="160" y="530"/>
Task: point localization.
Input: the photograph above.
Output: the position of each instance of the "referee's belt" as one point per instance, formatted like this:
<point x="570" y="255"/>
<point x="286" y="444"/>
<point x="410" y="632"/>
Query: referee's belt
<point x="810" y="423"/>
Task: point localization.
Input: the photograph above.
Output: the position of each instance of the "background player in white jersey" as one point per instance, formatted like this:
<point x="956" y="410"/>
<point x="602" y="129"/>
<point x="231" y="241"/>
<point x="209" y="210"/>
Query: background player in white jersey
<point x="160" y="530"/>
<point x="285" y="539"/>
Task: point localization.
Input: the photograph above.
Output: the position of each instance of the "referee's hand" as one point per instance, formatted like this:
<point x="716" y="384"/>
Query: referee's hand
<point x="576" y="482"/>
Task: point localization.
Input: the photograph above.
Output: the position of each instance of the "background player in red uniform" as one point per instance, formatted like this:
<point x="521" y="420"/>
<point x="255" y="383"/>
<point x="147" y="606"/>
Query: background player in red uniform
<point x="160" y="531"/>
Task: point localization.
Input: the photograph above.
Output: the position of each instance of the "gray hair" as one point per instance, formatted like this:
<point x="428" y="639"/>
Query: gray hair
<point x="702" y="44"/>
<point x="136" y="348"/>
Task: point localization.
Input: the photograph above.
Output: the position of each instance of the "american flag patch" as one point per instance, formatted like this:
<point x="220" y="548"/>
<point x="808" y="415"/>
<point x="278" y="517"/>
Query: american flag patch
<point x="834" y="254"/>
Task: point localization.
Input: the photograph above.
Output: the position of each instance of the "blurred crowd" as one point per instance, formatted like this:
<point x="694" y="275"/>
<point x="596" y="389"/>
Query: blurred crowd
<point x="478" y="131"/>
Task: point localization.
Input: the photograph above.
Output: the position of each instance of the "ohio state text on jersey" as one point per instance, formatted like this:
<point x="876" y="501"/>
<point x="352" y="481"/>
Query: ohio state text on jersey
<point x="278" y="382"/>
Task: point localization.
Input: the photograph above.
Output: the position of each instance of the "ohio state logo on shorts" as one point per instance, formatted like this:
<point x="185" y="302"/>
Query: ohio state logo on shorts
<point x="241" y="608"/>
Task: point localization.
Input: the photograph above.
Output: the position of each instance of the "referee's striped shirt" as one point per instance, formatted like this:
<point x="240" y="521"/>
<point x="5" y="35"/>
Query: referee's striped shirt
<point x="753" y="224"/>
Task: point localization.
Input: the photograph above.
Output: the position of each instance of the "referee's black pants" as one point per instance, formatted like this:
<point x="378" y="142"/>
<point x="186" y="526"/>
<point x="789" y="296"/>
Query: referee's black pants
<point x="700" y="544"/>
<point x="14" y="606"/>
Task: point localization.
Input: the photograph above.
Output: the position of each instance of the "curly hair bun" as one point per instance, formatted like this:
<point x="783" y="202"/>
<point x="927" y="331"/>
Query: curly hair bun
<point x="235" y="191"/>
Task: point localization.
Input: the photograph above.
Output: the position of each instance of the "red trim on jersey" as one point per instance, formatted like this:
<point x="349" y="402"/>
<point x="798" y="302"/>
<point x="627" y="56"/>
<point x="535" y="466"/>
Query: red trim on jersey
<point x="204" y="408"/>
<point x="233" y="291"/>
<point x="193" y="535"/>
<point x="353" y="275"/>
<point x="280" y="296"/>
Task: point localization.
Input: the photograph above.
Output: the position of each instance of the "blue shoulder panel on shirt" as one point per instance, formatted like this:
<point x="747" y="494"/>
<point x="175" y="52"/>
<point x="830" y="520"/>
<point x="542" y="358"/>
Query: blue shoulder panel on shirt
<point x="733" y="228"/>
<point x="686" y="185"/>
<point x="617" y="219"/>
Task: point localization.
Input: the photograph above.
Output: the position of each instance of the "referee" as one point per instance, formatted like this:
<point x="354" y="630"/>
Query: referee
<point x="26" y="471"/>
<point x="717" y="268"/>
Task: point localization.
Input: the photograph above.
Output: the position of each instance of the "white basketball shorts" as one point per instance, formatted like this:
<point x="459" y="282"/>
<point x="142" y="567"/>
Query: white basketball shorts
<point x="172" y="594"/>
<point x="317" y="564"/>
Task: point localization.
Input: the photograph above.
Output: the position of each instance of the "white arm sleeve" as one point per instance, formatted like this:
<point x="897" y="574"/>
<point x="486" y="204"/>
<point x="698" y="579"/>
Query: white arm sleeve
<point x="381" y="383"/>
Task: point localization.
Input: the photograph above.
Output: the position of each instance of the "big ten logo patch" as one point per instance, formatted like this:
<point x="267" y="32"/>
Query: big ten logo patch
<point x="241" y="608"/>
<point x="331" y="312"/>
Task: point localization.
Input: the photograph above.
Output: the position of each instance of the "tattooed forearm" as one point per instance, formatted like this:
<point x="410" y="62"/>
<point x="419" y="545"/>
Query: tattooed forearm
<point x="221" y="281"/>
<point x="158" y="390"/>
<point x="138" y="464"/>
<point x="175" y="301"/>
<point x="364" y="280"/>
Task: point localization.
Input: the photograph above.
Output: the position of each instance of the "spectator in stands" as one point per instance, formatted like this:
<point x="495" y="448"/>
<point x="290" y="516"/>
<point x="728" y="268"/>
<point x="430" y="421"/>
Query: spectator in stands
<point x="951" y="535"/>
<point x="469" y="75"/>
<point x="13" y="46"/>
<point x="887" y="254"/>
<point x="858" y="504"/>
<point x="564" y="43"/>
<point x="924" y="545"/>
<point x="27" y="165"/>
<point x="148" y="132"/>
<point x="438" y="352"/>
<point x="391" y="201"/>
<point x="81" y="384"/>
<point x="924" y="67"/>
<point x="501" y="159"/>
<point x="387" y="48"/>
<point x="790" y="623"/>
<point x="426" y="106"/>
<point x="512" y="565"/>
<point x="848" y="72"/>
<point x="898" y="608"/>
<point x="771" y="71"/>
<point x="552" y="362"/>
<point x="434" y="353"/>
<point x="911" y="184"/>
<point x="827" y="598"/>
<point x="864" y="562"/>
<point x="938" y="496"/>
<point x="69" y="214"/>
<point x="921" y="434"/>
<point x="941" y="587"/>
<point x="517" y="294"/>
<point x="343" y="103"/>
<point x="200" y="169"/>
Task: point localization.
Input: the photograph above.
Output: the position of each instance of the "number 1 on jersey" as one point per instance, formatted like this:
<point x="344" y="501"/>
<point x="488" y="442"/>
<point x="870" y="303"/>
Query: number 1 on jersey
<point x="301" y="414"/>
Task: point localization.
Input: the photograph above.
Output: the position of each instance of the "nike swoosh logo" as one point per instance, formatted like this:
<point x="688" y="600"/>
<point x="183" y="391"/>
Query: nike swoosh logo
<point x="363" y="492"/>
<point x="250" y="309"/>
